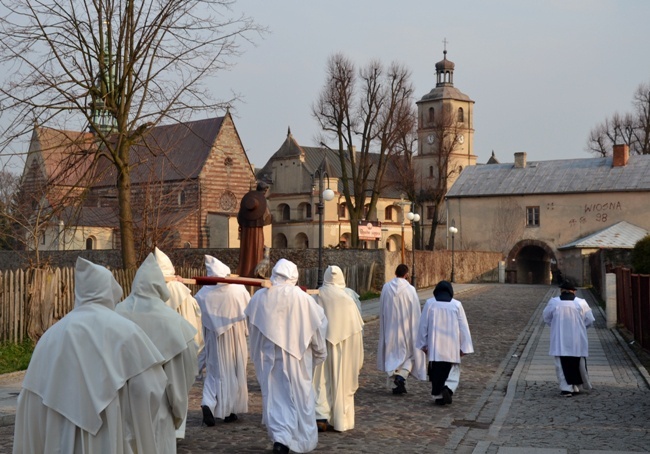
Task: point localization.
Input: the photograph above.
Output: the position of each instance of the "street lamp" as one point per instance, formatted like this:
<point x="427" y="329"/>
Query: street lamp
<point x="453" y="230"/>
<point x="328" y="195"/>
<point x="414" y="218"/>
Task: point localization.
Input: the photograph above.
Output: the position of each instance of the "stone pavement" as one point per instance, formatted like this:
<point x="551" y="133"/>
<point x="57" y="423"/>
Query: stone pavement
<point x="507" y="403"/>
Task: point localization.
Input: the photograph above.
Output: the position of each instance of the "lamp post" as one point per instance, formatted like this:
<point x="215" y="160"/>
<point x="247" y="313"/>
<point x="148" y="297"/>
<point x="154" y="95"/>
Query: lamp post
<point x="328" y="195"/>
<point x="453" y="230"/>
<point x="413" y="217"/>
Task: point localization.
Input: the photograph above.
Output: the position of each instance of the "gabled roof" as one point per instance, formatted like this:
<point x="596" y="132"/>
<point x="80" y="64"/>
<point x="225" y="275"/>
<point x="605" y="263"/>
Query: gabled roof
<point x="169" y="152"/>
<point x="64" y="153"/>
<point x="621" y="235"/>
<point x="554" y="177"/>
<point x="314" y="156"/>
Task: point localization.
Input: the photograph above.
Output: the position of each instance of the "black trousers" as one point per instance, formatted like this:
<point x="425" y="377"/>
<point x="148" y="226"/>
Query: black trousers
<point x="438" y="373"/>
<point x="571" y="369"/>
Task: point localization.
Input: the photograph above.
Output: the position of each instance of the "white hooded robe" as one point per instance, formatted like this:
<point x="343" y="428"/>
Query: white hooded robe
<point x="95" y="383"/>
<point x="399" y="320"/>
<point x="173" y="336"/>
<point x="181" y="300"/>
<point x="225" y="389"/>
<point x="287" y="340"/>
<point x="337" y="379"/>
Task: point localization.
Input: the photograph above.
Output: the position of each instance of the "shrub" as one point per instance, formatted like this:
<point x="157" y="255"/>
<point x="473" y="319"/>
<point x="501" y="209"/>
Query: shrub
<point x="641" y="256"/>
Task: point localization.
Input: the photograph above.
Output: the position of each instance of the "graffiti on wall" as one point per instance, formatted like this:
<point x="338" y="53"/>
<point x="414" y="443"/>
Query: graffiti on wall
<point x="599" y="212"/>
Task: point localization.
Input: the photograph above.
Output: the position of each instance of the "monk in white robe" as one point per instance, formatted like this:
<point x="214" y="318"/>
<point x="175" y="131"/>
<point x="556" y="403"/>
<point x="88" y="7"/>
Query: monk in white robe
<point x="182" y="301"/>
<point x="337" y="379"/>
<point x="569" y="317"/>
<point x="444" y="336"/>
<point x="173" y="336"/>
<point x="287" y="340"/>
<point x="225" y="389"/>
<point x="95" y="383"/>
<point x="399" y="319"/>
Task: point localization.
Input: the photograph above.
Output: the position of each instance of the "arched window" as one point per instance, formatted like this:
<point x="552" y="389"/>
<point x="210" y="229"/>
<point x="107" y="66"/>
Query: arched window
<point x="301" y="241"/>
<point x="388" y="213"/>
<point x="181" y="198"/>
<point x="430" y="171"/>
<point x="342" y="210"/>
<point x="90" y="243"/>
<point x="279" y="241"/>
<point x="286" y="213"/>
<point x="431" y="115"/>
<point x="461" y="115"/>
<point x="187" y="245"/>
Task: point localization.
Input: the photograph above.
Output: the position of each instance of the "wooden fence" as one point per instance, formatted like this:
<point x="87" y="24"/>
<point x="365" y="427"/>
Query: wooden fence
<point x="33" y="300"/>
<point x="633" y="304"/>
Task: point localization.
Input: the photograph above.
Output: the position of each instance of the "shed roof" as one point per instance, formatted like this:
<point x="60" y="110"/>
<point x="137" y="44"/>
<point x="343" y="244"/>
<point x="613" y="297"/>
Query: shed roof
<point x="621" y="235"/>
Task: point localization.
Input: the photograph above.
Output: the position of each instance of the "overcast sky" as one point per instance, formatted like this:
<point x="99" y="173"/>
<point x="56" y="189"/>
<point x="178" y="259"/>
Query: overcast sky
<point x="542" y="73"/>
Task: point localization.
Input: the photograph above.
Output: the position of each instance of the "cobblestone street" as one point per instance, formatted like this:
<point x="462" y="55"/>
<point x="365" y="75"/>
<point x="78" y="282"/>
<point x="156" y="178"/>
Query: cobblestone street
<point x="508" y="401"/>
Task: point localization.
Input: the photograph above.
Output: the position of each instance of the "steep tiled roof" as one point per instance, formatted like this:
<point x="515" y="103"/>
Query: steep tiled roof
<point x="621" y="235"/>
<point x="170" y="152"/>
<point x="64" y="154"/>
<point x="553" y="177"/>
<point x="313" y="157"/>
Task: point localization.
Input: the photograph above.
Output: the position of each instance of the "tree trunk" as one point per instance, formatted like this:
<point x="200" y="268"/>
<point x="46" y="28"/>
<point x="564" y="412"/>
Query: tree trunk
<point x="126" y="219"/>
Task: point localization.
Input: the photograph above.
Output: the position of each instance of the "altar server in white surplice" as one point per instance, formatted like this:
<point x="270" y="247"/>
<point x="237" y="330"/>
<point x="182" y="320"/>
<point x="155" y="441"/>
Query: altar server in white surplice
<point x="444" y="336"/>
<point x="225" y="390"/>
<point x="337" y="379"/>
<point x="182" y="301"/>
<point x="569" y="317"/>
<point x="95" y="383"/>
<point x="287" y="340"/>
<point x="174" y="338"/>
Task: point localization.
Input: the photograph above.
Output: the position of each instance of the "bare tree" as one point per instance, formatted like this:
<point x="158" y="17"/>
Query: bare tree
<point x="8" y="187"/>
<point x="507" y="225"/>
<point x="372" y="108"/>
<point x="632" y="128"/>
<point x="446" y="133"/>
<point x="120" y="67"/>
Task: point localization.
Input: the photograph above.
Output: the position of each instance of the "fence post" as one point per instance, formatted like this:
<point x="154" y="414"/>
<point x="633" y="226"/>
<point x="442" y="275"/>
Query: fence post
<point x="610" y="300"/>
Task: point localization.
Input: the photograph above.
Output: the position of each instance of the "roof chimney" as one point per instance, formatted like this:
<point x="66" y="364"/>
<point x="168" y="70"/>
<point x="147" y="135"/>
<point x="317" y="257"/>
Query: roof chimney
<point x="621" y="155"/>
<point x="520" y="160"/>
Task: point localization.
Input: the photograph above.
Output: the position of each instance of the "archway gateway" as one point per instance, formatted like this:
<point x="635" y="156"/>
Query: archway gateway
<point x="531" y="262"/>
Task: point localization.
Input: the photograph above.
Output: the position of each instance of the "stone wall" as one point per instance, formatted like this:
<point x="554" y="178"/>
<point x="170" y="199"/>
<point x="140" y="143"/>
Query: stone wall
<point x="366" y="269"/>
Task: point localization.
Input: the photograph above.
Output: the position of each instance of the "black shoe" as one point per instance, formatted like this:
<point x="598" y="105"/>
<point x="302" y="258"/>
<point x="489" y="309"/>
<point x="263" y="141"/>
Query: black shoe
<point x="439" y="401"/>
<point x="566" y="394"/>
<point x="208" y="417"/>
<point x="232" y="418"/>
<point x="446" y="395"/>
<point x="400" y="384"/>
<point x="280" y="448"/>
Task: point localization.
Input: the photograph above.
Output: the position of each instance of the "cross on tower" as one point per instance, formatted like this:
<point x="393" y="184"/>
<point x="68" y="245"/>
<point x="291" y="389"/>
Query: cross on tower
<point x="444" y="41"/>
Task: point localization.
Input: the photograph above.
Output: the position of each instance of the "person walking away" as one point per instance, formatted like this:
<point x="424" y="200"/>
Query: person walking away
<point x="444" y="336"/>
<point x="95" y="382"/>
<point x="569" y="317"/>
<point x="225" y="390"/>
<point x="287" y="340"/>
<point x="399" y="319"/>
<point x="337" y="378"/>
<point x="182" y="301"/>
<point x="173" y="336"/>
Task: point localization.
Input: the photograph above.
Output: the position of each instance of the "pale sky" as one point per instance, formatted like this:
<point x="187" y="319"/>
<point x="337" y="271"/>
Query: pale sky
<point x="542" y="73"/>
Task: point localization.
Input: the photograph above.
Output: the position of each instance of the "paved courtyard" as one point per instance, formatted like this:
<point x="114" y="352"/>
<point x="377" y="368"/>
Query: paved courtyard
<point x="507" y="402"/>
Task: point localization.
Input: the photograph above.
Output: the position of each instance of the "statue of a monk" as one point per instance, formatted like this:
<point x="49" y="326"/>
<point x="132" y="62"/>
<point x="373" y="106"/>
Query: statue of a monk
<point x="253" y="215"/>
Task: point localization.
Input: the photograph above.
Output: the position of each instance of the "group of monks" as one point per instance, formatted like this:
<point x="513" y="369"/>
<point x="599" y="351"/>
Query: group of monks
<point x="114" y="377"/>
